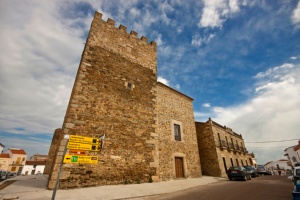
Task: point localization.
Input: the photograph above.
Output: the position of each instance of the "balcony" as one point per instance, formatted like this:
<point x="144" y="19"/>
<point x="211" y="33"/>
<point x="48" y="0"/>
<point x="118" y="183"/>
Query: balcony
<point x="221" y="144"/>
<point x="15" y="164"/>
<point x="236" y="148"/>
<point x="230" y="146"/>
<point x="244" y="150"/>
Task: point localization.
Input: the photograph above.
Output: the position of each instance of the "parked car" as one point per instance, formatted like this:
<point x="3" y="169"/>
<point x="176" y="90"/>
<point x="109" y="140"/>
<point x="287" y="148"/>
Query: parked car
<point x="252" y="170"/>
<point x="3" y="175"/>
<point x="238" y="172"/>
<point x="11" y="174"/>
<point x="296" y="175"/>
<point x="263" y="171"/>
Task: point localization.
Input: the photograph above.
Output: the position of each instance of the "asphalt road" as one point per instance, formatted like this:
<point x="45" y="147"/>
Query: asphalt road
<point x="260" y="188"/>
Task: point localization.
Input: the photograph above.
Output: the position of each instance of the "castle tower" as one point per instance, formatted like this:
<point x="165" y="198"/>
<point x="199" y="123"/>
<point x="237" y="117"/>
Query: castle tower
<point x="114" y="94"/>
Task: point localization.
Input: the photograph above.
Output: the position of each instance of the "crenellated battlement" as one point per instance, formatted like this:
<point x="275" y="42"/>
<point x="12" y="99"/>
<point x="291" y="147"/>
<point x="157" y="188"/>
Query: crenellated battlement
<point x="122" y="27"/>
<point x="104" y="34"/>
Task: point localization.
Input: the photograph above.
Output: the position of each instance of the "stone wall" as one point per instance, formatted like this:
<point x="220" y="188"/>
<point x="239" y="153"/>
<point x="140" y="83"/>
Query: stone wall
<point x="173" y="106"/>
<point x="57" y="136"/>
<point x="207" y="150"/>
<point x="220" y="146"/>
<point x="114" y="94"/>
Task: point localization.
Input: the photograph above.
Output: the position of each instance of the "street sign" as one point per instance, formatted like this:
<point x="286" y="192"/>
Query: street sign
<point x="87" y="147"/>
<point x="78" y="152"/>
<point x="83" y="140"/>
<point x="80" y="159"/>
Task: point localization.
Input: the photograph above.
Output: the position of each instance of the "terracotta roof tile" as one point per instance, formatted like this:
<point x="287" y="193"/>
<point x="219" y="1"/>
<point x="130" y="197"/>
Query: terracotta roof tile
<point x="4" y="155"/>
<point x="17" y="151"/>
<point x="34" y="162"/>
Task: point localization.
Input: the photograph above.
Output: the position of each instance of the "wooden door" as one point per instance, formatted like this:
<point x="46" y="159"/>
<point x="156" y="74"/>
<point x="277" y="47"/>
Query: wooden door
<point x="179" y="167"/>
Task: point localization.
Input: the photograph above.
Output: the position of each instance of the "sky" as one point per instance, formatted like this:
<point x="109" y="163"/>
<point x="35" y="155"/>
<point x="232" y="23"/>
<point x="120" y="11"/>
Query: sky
<point x="238" y="59"/>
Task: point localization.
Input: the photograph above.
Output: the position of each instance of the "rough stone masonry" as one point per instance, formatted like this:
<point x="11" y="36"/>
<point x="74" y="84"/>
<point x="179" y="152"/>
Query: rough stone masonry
<point x="115" y="93"/>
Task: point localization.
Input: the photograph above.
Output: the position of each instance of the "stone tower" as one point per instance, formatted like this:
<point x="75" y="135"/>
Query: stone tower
<point x="114" y="94"/>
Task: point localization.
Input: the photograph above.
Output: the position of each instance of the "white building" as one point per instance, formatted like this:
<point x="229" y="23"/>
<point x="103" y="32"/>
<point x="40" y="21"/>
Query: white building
<point x="34" y="167"/>
<point x="293" y="154"/>
<point x="279" y="165"/>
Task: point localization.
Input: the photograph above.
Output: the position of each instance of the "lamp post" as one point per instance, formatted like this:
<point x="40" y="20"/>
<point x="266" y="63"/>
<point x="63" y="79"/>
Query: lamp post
<point x="66" y="137"/>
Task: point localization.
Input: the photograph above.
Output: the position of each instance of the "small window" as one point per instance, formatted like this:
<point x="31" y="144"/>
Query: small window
<point x="177" y="132"/>
<point x="129" y="86"/>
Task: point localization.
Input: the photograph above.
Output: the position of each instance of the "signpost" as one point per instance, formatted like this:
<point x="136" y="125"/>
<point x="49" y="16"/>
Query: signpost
<point x="78" y="152"/>
<point x="87" y="147"/>
<point x="84" y="140"/>
<point x="81" y="159"/>
<point x="78" y="147"/>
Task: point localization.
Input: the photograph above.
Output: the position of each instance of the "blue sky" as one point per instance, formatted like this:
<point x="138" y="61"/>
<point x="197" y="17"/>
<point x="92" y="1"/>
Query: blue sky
<point x="238" y="59"/>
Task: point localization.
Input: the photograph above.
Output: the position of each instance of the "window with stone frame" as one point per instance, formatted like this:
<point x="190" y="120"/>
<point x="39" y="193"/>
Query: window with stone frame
<point x="177" y="132"/>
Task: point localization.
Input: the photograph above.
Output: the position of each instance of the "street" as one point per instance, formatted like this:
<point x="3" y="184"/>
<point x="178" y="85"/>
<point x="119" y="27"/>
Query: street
<point x="260" y="188"/>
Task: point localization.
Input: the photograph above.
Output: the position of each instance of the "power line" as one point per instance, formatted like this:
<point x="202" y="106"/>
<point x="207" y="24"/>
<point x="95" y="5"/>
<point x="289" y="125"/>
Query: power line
<point x="265" y="147"/>
<point x="273" y="141"/>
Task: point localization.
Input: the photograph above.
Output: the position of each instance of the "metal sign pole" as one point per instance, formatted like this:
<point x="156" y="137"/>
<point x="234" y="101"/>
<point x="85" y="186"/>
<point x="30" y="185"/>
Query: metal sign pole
<point x="60" y="167"/>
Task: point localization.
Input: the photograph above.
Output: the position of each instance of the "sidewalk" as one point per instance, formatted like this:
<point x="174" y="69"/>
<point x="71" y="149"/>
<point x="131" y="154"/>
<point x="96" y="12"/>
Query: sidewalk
<point x="34" y="188"/>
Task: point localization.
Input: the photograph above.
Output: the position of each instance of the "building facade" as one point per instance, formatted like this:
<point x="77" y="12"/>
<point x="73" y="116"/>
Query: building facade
<point x="4" y="161"/>
<point x="13" y="160"/>
<point x="278" y="167"/>
<point x="178" y="149"/>
<point x="293" y="154"/>
<point x="38" y="157"/>
<point x="220" y="148"/>
<point x="33" y="167"/>
<point x="116" y="95"/>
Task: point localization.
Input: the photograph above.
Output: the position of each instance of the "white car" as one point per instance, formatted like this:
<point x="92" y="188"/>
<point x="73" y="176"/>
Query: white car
<point x="296" y="175"/>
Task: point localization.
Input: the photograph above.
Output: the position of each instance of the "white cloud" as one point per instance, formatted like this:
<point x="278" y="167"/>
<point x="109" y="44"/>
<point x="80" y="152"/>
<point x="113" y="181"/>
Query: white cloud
<point x="164" y="8"/>
<point x="275" y="72"/>
<point x="177" y="86"/>
<point x="163" y="80"/>
<point x="294" y="57"/>
<point x="234" y="6"/>
<point x="273" y="114"/>
<point x="39" y="59"/>
<point x="134" y="12"/>
<point x="201" y="116"/>
<point x="218" y="109"/>
<point x="215" y="12"/>
<point x="159" y="40"/>
<point x="206" y="105"/>
<point x="197" y="40"/>
<point x="296" y="14"/>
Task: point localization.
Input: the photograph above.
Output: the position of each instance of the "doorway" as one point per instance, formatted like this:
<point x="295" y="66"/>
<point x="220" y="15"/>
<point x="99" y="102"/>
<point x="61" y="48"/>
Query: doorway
<point x="179" y="167"/>
<point x="225" y="166"/>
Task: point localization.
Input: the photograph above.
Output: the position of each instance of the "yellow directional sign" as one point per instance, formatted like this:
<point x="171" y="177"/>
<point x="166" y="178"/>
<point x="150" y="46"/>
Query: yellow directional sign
<point x="80" y="159"/>
<point x="83" y="140"/>
<point x="87" y="147"/>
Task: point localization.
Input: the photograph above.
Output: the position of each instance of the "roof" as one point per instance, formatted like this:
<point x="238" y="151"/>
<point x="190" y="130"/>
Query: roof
<point x="290" y="147"/>
<point x="297" y="147"/>
<point x="17" y="151"/>
<point x="175" y="91"/>
<point x="34" y="162"/>
<point x="227" y="129"/>
<point x="2" y="145"/>
<point x="4" y="155"/>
